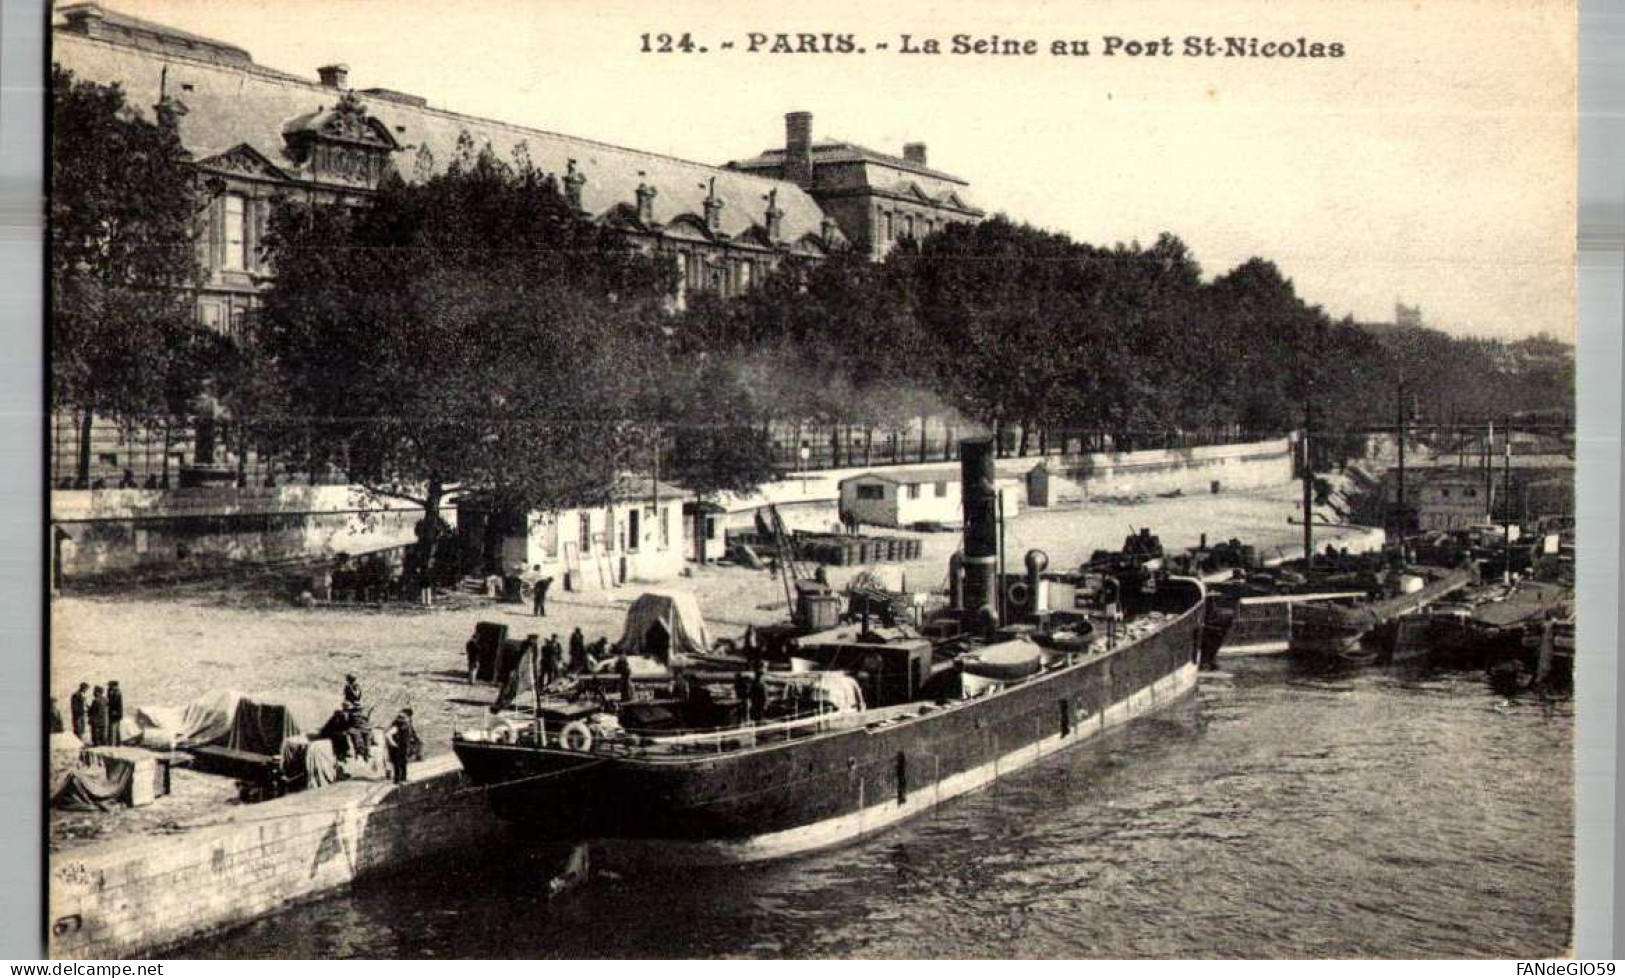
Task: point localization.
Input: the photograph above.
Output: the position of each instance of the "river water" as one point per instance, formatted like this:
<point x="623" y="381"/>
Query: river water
<point x="1278" y="813"/>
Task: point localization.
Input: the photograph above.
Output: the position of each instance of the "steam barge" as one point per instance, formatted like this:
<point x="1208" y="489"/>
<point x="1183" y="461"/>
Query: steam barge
<point x="749" y="791"/>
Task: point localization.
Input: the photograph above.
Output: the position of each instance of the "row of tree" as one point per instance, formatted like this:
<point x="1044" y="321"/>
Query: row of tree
<point x="471" y="333"/>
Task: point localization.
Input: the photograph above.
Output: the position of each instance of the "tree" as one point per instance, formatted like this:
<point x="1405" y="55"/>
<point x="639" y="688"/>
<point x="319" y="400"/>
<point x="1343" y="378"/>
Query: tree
<point x="123" y="225"/>
<point x="469" y="333"/>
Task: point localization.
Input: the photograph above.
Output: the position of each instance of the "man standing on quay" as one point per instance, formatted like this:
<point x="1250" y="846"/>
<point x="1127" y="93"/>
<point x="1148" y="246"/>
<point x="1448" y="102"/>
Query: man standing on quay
<point x="539" y="608"/>
<point x="80" y="713"/>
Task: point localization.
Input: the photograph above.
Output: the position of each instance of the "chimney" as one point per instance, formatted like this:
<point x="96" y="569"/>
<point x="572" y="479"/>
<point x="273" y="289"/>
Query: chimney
<point x="914" y="153"/>
<point x="334" y="76"/>
<point x="798" y="166"/>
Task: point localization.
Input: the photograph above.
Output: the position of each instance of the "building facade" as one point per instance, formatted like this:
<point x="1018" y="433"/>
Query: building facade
<point x="877" y="199"/>
<point x="260" y="134"/>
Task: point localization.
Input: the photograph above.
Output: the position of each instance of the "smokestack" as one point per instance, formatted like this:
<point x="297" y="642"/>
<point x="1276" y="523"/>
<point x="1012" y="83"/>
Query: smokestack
<point x="334" y="76"/>
<point x="798" y="166"/>
<point x="914" y="153"/>
<point x="980" y="496"/>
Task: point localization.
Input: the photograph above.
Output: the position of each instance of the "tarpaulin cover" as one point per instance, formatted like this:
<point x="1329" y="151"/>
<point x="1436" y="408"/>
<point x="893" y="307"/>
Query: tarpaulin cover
<point x="320" y="766"/>
<point x="489" y="636"/>
<point x="88" y="789"/>
<point x="314" y="759"/>
<point x="674" y="611"/>
<point x="263" y="721"/>
<point x="207" y="719"/>
<point x="508" y="659"/>
<point x="101" y="780"/>
<point x="520" y="683"/>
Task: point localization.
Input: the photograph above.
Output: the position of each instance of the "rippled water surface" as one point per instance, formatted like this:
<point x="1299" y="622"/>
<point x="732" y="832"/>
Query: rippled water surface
<point x="1278" y="813"/>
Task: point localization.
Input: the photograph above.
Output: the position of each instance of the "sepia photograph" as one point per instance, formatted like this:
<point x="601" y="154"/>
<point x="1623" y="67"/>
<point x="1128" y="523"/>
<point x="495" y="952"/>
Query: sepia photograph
<point x="745" y="480"/>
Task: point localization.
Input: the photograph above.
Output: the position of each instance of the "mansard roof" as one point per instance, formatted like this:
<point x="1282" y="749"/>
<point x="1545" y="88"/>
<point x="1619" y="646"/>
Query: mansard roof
<point x="839" y="151"/>
<point x="232" y="104"/>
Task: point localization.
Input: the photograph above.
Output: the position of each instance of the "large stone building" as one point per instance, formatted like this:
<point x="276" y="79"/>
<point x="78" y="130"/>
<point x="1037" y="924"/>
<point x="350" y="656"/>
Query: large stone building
<point x="877" y="199"/>
<point x="261" y="134"/>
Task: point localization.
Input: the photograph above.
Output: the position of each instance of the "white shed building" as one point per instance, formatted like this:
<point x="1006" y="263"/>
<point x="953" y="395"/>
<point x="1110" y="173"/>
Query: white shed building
<point x="903" y="497"/>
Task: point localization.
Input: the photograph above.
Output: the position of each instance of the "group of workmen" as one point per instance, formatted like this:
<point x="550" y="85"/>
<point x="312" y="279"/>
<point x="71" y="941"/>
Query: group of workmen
<point x="552" y="661"/>
<point x="349" y="730"/>
<point x="99" y="720"/>
<point x="750" y="690"/>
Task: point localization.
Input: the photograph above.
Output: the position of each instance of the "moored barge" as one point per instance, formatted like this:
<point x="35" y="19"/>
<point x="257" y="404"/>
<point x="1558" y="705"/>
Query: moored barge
<point x="748" y="791"/>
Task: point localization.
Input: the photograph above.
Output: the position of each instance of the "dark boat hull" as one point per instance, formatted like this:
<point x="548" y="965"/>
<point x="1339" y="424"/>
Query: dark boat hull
<point x="782" y="799"/>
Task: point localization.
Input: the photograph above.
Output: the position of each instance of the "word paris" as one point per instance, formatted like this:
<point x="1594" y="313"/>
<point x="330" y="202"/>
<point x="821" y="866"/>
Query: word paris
<point x="1107" y="45"/>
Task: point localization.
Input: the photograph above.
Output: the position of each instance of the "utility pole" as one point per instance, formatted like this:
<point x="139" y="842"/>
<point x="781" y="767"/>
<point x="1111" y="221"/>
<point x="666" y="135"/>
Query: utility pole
<point x="1506" y="507"/>
<point x="1401" y="507"/>
<point x="1308" y="493"/>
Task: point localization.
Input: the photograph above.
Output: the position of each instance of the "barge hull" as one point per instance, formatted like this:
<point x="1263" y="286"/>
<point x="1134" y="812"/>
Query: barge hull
<point x="874" y="818"/>
<point x="782" y="799"/>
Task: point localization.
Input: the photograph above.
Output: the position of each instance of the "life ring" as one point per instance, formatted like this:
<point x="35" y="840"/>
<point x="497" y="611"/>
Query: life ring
<point x="504" y="731"/>
<point x="576" y="736"/>
<point x="1019" y="594"/>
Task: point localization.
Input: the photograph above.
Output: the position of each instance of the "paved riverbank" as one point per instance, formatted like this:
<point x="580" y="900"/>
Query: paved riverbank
<point x="167" y="646"/>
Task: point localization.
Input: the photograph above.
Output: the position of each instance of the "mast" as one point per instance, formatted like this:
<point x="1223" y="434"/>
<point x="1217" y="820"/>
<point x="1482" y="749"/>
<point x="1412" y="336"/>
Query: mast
<point x="1506" y="507"/>
<point x="1308" y="494"/>
<point x="1401" y="427"/>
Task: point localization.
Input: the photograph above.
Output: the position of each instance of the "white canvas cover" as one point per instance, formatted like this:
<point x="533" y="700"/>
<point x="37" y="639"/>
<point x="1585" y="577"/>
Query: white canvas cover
<point x="678" y="612"/>
<point x="205" y="720"/>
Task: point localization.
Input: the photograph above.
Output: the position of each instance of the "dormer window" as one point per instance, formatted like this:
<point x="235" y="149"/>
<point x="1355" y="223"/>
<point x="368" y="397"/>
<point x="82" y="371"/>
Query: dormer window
<point x="344" y="144"/>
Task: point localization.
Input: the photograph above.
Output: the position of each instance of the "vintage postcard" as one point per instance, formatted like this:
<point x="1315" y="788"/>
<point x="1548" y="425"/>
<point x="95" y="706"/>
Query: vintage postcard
<point x="918" y="480"/>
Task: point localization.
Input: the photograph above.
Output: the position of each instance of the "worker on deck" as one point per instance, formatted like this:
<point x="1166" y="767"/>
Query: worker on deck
<point x="680" y="689"/>
<point x="623" y="669"/>
<point x="79" y="711"/>
<point x="552" y="659"/>
<point x="352" y="692"/>
<point x="115" y="714"/>
<point x="758" y="693"/>
<point x="578" y="652"/>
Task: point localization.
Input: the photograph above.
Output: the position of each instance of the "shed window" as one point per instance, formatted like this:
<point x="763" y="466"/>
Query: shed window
<point x="942" y="490"/>
<point x="871" y="492"/>
<point x="914" y="490"/>
<point x="585" y="540"/>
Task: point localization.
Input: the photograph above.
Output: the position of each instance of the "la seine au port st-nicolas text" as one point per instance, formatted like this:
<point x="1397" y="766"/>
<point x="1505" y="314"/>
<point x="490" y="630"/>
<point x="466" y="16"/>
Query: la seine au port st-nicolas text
<point x="997" y="45"/>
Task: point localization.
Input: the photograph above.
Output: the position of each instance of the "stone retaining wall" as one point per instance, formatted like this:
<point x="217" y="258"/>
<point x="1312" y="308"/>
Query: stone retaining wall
<point x="112" y="531"/>
<point x="141" y="895"/>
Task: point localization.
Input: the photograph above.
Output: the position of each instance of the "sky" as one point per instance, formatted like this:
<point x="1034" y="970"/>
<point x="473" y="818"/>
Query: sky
<point x="1433" y="163"/>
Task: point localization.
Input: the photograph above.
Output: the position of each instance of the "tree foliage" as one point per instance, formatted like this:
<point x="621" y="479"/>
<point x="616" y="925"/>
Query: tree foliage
<point x="123" y="220"/>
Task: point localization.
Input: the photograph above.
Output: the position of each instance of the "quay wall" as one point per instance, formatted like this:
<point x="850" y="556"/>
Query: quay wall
<point x="104" y="533"/>
<point x="143" y="895"/>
